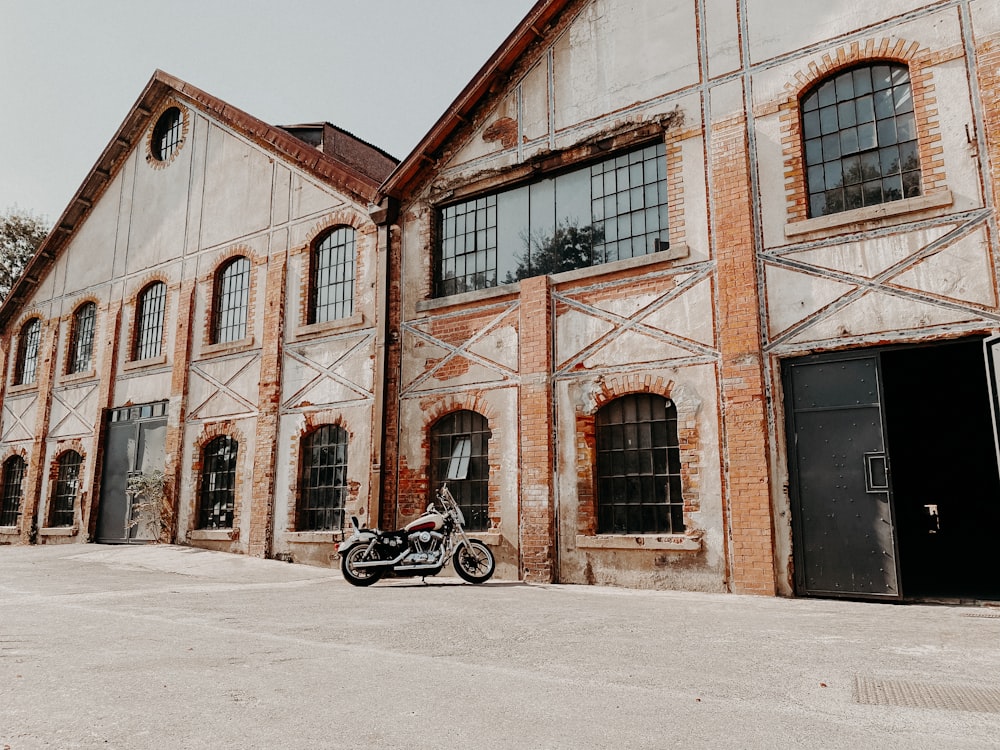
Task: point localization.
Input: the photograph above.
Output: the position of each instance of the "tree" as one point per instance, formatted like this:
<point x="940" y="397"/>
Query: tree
<point x="21" y="232"/>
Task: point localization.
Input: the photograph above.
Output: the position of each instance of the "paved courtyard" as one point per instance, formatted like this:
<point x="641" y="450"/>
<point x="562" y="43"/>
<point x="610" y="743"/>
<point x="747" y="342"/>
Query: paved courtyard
<point x="173" y="647"/>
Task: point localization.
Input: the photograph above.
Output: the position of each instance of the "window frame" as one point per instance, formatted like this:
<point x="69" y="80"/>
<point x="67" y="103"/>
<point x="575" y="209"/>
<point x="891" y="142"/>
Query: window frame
<point x="831" y="119"/>
<point x="609" y="484"/>
<point x="65" y="489"/>
<point x="149" y="320"/>
<point x="10" y="506"/>
<point x="167" y="135"/>
<point x="342" y="289"/>
<point x="82" y="335"/>
<point x="472" y="493"/>
<point x="230" y="314"/>
<point x="29" y="344"/>
<point x="213" y="514"/>
<point x="317" y="499"/>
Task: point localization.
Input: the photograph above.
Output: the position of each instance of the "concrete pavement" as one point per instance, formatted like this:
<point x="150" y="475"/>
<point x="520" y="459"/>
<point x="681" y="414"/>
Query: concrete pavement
<point x="173" y="647"/>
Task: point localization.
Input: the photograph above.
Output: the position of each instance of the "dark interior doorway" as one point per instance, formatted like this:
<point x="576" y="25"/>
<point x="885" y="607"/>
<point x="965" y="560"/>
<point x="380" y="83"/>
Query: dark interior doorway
<point x="945" y="484"/>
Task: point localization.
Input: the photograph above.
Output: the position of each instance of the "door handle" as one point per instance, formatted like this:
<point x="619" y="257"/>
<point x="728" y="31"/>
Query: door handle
<point x="876" y="472"/>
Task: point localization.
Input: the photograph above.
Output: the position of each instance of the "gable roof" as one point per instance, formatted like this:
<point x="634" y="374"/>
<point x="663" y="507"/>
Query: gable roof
<point x="490" y="77"/>
<point x="356" y="176"/>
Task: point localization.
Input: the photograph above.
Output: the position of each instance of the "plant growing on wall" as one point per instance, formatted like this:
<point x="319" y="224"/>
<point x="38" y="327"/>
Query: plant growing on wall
<point x="151" y="506"/>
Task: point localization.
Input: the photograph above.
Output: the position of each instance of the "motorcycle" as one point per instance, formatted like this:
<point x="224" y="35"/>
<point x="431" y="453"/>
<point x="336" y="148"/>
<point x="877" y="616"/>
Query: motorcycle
<point x="421" y="548"/>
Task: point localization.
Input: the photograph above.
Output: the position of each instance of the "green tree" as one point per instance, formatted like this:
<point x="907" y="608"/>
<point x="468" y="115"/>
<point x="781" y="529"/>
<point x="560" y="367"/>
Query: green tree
<point x="21" y="232"/>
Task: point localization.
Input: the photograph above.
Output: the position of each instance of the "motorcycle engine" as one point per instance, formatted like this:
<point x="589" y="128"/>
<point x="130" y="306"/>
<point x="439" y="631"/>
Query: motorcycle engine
<point x="425" y="546"/>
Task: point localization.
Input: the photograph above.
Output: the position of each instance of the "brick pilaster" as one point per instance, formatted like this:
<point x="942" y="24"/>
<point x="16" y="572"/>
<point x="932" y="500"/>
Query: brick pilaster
<point x="742" y="378"/>
<point x="988" y="69"/>
<point x="46" y="372"/>
<point x="268" y="408"/>
<point x="177" y="411"/>
<point x="537" y="541"/>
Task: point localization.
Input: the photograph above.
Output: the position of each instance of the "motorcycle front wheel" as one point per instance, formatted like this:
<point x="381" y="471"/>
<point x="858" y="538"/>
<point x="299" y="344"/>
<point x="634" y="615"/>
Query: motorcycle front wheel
<point x="359" y="576"/>
<point x="474" y="562"/>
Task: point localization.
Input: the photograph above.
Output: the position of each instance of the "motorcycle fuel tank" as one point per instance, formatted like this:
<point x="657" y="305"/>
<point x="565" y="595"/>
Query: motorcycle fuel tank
<point x="426" y="522"/>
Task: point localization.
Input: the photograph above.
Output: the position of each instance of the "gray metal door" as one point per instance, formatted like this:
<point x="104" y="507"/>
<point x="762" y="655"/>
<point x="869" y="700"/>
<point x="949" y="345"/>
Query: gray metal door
<point x="842" y="519"/>
<point x="135" y="443"/>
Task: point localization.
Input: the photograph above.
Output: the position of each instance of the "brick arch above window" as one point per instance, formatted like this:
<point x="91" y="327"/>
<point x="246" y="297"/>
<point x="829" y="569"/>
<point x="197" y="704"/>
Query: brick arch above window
<point x="873" y="52"/>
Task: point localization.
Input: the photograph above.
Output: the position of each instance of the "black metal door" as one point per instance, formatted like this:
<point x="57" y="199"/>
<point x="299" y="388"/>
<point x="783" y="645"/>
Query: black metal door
<point x="136" y="442"/>
<point x="844" y="541"/>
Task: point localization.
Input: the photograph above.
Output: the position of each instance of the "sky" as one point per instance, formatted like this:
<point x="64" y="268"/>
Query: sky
<point x="70" y="70"/>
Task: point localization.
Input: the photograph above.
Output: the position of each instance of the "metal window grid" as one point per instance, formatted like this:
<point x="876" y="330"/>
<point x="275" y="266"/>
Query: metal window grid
<point x="218" y="484"/>
<point x="860" y="139"/>
<point x="167" y="134"/>
<point x="64" y="491"/>
<point x="27" y="359"/>
<point x="82" y="346"/>
<point x="638" y="467"/>
<point x="468" y="246"/>
<point x="471" y="493"/>
<point x="331" y="278"/>
<point x="149" y="337"/>
<point x="232" y="298"/>
<point x="323" y="485"/>
<point x="10" y="505"/>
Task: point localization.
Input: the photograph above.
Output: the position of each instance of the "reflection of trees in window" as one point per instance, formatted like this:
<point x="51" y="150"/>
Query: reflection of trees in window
<point x="218" y="483"/>
<point x="323" y="484"/>
<point x="65" y="488"/>
<point x="604" y="212"/>
<point x="10" y="502"/>
<point x="460" y="456"/>
<point x="860" y="138"/>
<point x="638" y="466"/>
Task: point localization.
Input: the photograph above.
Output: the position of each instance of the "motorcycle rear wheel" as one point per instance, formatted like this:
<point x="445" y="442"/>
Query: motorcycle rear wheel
<point x="359" y="576"/>
<point x="474" y="562"/>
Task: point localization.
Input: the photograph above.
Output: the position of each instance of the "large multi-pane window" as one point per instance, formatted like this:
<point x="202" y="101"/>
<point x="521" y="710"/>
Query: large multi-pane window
<point x="10" y="502"/>
<point x="218" y="484"/>
<point x="27" y="351"/>
<point x="231" y="301"/>
<point x="331" y="276"/>
<point x="608" y="211"/>
<point x="860" y="137"/>
<point x="167" y="134"/>
<point x="149" y="321"/>
<point x="65" y="489"/>
<point x="323" y="483"/>
<point x="638" y="467"/>
<point x="460" y="457"/>
<point x="81" y="349"/>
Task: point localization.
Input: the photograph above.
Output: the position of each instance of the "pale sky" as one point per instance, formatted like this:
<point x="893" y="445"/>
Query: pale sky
<point x="70" y="70"/>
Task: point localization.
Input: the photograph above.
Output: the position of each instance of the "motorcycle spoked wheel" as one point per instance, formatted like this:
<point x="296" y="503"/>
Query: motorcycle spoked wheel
<point x="359" y="576"/>
<point x="474" y="562"/>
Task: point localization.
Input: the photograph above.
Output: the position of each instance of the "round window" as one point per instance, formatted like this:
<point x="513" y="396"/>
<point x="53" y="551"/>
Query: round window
<point x="167" y="134"/>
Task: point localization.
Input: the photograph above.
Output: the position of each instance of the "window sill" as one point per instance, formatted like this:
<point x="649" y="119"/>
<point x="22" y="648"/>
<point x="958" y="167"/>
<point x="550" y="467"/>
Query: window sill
<point x="316" y="330"/>
<point x="9" y="531"/>
<point x="313" y="537"/>
<point x="77" y="377"/>
<point x="213" y="535"/>
<point x="678" y="542"/>
<point x="229" y="347"/>
<point x="16" y="390"/>
<point x="58" y="531"/>
<point x="141" y="364"/>
<point x="857" y="219"/>
<point x="479" y="295"/>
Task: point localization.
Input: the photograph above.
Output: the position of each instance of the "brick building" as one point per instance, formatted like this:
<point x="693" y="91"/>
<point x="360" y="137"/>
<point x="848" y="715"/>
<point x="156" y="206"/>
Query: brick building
<point x="702" y="289"/>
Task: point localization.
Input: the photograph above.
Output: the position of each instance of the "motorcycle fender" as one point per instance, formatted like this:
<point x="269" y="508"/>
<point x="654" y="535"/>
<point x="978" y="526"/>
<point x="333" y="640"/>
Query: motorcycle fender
<point x="362" y="538"/>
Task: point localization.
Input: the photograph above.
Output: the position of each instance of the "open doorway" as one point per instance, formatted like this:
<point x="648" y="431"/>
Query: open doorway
<point x="945" y="484"/>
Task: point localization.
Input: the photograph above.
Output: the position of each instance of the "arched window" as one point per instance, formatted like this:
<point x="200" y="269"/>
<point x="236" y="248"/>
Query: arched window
<point x="231" y="301"/>
<point x="65" y="489"/>
<point x="331" y="276"/>
<point x="860" y="138"/>
<point x="81" y="348"/>
<point x="460" y="456"/>
<point x="149" y="321"/>
<point x="638" y="467"/>
<point x="27" y="351"/>
<point x="323" y="482"/>
<point x="218" y="483"/>
<point x="10" y="502"/>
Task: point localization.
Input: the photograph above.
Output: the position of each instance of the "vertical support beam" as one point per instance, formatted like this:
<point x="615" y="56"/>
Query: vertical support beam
<point x="744" y="405"/>
<point x="268" y="408"/>
<point x="537" y="512"/>
<point x="47" y="350"/>
<point x="177" y="409"/>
